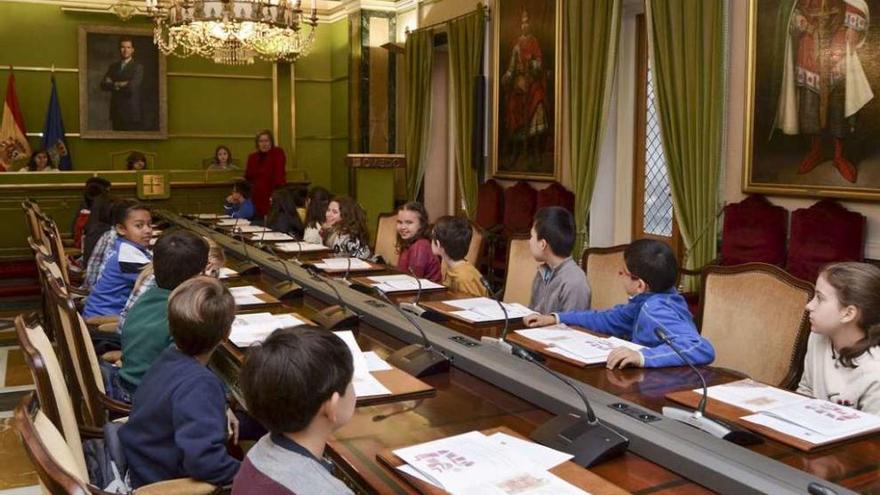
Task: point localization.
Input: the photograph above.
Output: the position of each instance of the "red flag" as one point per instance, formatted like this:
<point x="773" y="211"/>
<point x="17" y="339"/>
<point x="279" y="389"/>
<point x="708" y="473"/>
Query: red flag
<point x="14" y="145"/>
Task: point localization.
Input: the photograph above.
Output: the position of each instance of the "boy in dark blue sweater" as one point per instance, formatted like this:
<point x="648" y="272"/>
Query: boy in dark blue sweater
<point x="178" y="424"/>
<point x="649" y="278"/>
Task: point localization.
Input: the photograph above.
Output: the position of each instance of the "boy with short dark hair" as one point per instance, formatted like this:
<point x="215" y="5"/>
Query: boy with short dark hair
<point x="560" y="284"/>
<point x="649" y="278"/>
<point x="178" y="423"/>
<point x="450" y="240"/>
<point x="238" y="204"/>
<point x="312" y="370"/>
<point x="178" y="256"/>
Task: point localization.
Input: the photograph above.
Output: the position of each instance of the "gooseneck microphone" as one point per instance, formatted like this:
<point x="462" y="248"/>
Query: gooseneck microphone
<point x="335" y="316"/>
<point x="588" y="440"/>
<point x="246" y="266"/>
<point x="698" y="418"/>
<point x="416" y="359"/>
<point x="287" y="288"/>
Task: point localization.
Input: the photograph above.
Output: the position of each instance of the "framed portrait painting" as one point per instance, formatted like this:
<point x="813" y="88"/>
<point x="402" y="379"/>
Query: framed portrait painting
<point x="122" y="87"/>
<point x="812" y="115"/>
<point x="526" y="79"/>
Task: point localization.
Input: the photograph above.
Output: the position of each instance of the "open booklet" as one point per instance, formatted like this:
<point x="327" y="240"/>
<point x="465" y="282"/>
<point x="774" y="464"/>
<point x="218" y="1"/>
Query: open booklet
<point x="365" y="384"/>
<point x="402" y="283"/>
<point x="815" y="421"/>
<point x="246" y="295"/>
<point x="486" y="464"/>
<point x="270" y="236"/>
<point x="299" y="247"/>
<point x="575" y="345"/>
<point x="248" y="229"/>
<point x="342" y="264"/>
<point x="482" y="309"/>
<point x="250" y="329"/>
<point x="230" y="222"/>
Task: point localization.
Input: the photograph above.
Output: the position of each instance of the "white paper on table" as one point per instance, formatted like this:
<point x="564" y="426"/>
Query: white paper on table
<point x="471" y="302"/>
<point x="342" y="264"/>
<point x="225" y="273"/>
<point x="251" y="228"/>
<point x="528" y="483"/>
<point x="458" y="462"/>
<point x="299" y="247"/>
<point x="827" y="418"/>
<point x="592" y="349"/>
<point x="375" y="363"/>
<point x="753" y="396"/>
<point x="208" y="216"/>
<point x="402" y="283"/>
<point x="357" y="356"/>
<point x="252" y="328"/>
<point x="547" y="335"/>
<point x="368" y="386"/>
<point x="787" y="428"/>
<point x="229" y="222"/>
<point x="245" y="290"/>
<point x="271" y="236"/>
<point x="493" y="313"/>
<point x="537" y="455"/>
<point x="247" y="300"/>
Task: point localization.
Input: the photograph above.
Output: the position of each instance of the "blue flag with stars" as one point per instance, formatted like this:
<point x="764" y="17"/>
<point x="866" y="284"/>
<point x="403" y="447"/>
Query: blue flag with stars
<point x="54" y="141"/>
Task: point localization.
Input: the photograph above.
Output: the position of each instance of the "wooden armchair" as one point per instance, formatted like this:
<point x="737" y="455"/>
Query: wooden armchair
<point x="753" y="314"/>
<point x="602" y="266"/>
<point x="57" y="465"/>
<point x="386" y="238"/>
<point x="520" y="272"/>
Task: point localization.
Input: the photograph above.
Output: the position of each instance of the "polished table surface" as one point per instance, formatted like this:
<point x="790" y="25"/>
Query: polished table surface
<point x="465" y="402"/>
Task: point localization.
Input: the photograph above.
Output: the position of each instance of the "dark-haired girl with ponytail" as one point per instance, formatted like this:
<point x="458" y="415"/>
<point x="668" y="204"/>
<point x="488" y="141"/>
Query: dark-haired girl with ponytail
<point x="843" y="358"/>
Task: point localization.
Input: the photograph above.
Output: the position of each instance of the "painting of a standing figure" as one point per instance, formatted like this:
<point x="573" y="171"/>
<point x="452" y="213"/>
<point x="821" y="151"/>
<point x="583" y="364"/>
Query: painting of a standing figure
<point x="525" y="95"/>
<point x="815" y="116"/>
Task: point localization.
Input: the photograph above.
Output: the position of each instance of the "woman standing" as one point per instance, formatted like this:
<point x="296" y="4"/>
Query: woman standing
<point x="265" y="171"/>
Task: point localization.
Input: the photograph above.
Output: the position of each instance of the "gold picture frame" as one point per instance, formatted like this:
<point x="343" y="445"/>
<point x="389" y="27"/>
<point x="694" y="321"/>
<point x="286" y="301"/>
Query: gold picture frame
<point x="776" y="162"/>
<point x="111" y="105"/>
<point x="513" y="153"/>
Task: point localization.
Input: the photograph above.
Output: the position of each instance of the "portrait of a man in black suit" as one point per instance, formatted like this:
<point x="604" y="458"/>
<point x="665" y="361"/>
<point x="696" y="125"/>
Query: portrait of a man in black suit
<point x="122" y="84"/>
<point x="123" y="80"/>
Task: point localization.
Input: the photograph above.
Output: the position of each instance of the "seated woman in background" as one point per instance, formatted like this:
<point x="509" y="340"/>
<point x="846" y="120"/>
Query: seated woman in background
<point x="414" y="244"/>
<point x="39" y="162"/>
<point x="316" y="214"/>
<point x="345" y="228"/>
<point x="283" y="216"/>
<point x="222" y="159"/>
<point x="136" y="161"/>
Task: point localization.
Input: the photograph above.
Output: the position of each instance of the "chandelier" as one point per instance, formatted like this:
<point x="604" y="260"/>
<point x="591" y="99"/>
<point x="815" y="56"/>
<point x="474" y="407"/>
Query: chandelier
<point x="233" y="32"/>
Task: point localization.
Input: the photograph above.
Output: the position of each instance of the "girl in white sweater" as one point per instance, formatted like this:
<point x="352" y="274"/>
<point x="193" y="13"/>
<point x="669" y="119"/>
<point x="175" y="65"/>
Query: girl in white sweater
<point x="843" y="358"/>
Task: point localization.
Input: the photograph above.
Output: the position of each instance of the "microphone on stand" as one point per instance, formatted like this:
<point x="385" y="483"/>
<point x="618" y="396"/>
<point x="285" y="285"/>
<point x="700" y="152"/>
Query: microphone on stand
<point x="416" y="359"/>
<point x="698" y="418"/>
<point x="414" y="308"/>
<point x="246" y="266"/>
<point x="261" y="243"/>
<point x="335" y="316"/>
<point x="286" y="289"/>
<point x="587" y="439"/>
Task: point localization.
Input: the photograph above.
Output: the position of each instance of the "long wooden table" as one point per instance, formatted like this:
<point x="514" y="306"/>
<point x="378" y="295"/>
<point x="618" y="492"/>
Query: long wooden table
<point x="469" y="400"/>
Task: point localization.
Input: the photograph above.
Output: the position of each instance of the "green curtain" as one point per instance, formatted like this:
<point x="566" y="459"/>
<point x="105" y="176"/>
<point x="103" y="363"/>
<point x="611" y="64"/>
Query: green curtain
<point x="686" y="38"/>
<point x="419" y="64"/>
<point x="590" y="33"/>
<point x="466" y="40"/>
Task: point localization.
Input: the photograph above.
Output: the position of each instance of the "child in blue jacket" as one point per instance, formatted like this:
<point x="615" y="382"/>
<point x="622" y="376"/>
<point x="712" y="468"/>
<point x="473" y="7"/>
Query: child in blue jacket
<point x="238" y="204"/>
<point x="649" y="278"/>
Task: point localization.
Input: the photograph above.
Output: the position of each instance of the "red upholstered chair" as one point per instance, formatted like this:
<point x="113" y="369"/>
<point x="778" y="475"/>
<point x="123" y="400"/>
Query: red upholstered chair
<point x="754" y="231"/>
<point x="521" y="201"/>
<point x="824" y="233"/>
<point x="490" y="204"/>
<point x="555" y="195"/>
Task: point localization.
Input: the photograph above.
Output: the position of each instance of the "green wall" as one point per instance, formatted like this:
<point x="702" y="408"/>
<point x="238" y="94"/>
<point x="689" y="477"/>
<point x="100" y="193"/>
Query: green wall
<point x="203" y="111"/>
